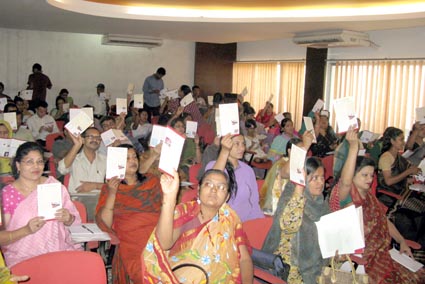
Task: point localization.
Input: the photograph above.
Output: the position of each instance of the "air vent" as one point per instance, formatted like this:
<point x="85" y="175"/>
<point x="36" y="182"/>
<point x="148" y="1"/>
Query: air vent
<point x="129" y="40"/>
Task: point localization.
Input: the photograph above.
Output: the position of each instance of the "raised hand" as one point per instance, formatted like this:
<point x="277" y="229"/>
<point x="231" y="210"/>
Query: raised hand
<point x="170" y="185"/>
<point x="227" y="142"/>
<point x="113" y="184"/>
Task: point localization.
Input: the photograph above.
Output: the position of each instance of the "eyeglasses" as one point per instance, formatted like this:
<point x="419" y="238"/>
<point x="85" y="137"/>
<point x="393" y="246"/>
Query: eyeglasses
<point x="93" y="137"/>
<point x="32" y="162"/>
<point x="218" y="187"/>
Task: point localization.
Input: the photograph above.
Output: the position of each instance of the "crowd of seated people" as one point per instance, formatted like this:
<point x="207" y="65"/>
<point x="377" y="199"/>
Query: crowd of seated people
<point x="228" y="191"/>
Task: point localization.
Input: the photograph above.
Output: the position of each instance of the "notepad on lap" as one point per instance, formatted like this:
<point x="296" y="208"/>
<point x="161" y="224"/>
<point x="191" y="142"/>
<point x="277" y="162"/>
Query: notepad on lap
<point x="49" y="197"/>
<point x="405" y="260"/>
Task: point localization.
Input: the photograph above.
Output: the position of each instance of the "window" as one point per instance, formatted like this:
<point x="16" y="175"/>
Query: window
<point x="386" y="92"/>
<point x="285" y="80"/>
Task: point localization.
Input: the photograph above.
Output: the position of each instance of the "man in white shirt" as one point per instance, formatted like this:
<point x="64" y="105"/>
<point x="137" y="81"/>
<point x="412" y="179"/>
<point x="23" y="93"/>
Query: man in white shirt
<point x="42" y="124"/>
<point x="87" y="167"/>
<point x="100" y="102"/>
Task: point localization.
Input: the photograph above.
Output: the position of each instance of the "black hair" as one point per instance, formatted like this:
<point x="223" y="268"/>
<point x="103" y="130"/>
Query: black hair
<point x="185" y="89"/>
<point x="58" y="98"/>
<point x="2" y="85"/>
<point x="362" y="162"/>
<point x="105" y="118"/>
<point x="292" y="141"/>
<point x="36" y="66"/>
<point x="250" y="123"/>
<point x="23" y="151"/>
<point x="283" y="123"/>
<point x="90" y="128"/>
<point x="140" y="177"/>
<point x="217" y="98"/>
<point x="41" y="103"/>
<point x="184" y="115"/>
<point x="161" y="71"/>
<point x="231" y="182"/>
<point x="174" y="121"/>
<point x="312" y="164"/>
<point x="249" y="110"/>
<point x="145" y="110"/>
<point x="389" y="133"/>
<point x="163" y="119"/>
<point x="17" y="99"/>
<point x="8" y="105"/>
<point x="195" y="87"/>
<point x="63" y="91"/>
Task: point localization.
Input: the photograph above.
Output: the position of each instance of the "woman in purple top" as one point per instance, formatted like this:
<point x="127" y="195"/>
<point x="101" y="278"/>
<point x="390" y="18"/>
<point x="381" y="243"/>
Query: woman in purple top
<point x="245" y="200"/>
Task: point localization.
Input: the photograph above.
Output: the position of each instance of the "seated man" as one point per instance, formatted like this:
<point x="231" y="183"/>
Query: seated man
<point x="42" y="124"/>
<point x="87" y="167"/>
<point x="22" y="133"/>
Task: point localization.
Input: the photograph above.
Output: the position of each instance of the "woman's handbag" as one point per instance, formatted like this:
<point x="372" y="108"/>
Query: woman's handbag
<point x="270" y="263"/>
<point x="330" y="275"/>
<point x="195" y="266"/>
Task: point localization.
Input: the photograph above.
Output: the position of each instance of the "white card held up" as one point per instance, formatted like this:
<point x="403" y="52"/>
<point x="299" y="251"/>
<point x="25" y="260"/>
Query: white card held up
<point x="112" y="135"/>
<point x="228" y="119"/>
<point x="270" y="98"/>
<point x="121" y="106"/>
<point x="73" y="112"/>
<point x="157" y="135"/>
<point x="244" y="92"/>
<point x="65" y="107"/>
<point x="191" y="129"/>
<point x="26" y="95"/>
<point x="318" y="105"/>
<point x="138" y="100"/>
<point x="3" y="102"/>
<point x="296" y="165"/>
<point x="368" y="136"/>
<point x="345" y="114"/>
<point x="341" y="230"/>
<point x="10" y="117"/>
<point x="49" y="198"/>
<point x="172" y="94"/>
<point x="116" y="162"/>
<point x="130" y="88"/>
<point x="308" y="122"/>
<point x="79" y="124"/>
<point x="279" y="117"/>
<point x="420" y="115"/>
<point x="186" y="100"/>
<point x="210" y="100"/>
<point x="171" y="151"/>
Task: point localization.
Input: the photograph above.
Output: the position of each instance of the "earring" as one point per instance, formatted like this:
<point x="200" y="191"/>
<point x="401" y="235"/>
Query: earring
<point x="198" y="200"/>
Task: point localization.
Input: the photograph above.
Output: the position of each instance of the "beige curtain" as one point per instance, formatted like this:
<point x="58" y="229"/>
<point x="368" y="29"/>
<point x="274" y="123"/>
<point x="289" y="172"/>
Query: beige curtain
<point x="291" y="90"/>
<point x="385" y="92"/>
<point x="285" y="80"/>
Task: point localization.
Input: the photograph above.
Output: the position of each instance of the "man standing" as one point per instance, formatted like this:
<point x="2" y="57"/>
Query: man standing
<point x="100" y="102"/>
<point x="38" y="83"/>
<point x="87" y="167"/>
<point x="42" y="124"/>
<point x="151" y="87"/>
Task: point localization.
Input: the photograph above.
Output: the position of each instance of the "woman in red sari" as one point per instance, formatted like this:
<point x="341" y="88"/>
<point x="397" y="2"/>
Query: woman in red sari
<point x="129" y="209"/>
<point x="354" y="187"/>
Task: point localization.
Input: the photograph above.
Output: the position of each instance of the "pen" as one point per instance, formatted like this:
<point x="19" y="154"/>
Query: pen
<point x="85" y="227"/>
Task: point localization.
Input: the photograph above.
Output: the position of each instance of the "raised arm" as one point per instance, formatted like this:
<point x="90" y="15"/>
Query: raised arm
<point x="348" y="169"/>
<point x="412" y="137"/>
<point x="226" y="146"/>
<point x="66" y="162"/>
<point x="107" y="211"/>
<point x="165" y="232"/>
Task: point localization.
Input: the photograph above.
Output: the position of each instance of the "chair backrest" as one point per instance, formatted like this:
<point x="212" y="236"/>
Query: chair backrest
<point x="260" y="183"/>
<point x="257" y="230"/>
<point x="154" y="119"/>
<point x="193" y="173"/>
<point x="81" y="209"/>
<point x="60" y="124"/>
<point x="52" y="167"/>
<point x="50" y="139"/>
<point x="328" y="164"/>
<point x="189" y="195"/>
<point x="65" y="267"/>
<point x="66" y="180"/>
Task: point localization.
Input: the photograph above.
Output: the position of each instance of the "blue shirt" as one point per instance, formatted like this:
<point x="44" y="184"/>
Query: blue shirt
<point x="149" y="97"/>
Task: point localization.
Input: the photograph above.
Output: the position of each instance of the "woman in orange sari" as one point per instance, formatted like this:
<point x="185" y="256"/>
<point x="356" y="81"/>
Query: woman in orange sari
<point x="354" y="188"/>
<point x="129" y="209"/>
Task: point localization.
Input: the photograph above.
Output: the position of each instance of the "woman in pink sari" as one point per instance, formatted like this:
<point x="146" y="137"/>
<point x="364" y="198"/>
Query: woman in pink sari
<point x="27" y="234"/>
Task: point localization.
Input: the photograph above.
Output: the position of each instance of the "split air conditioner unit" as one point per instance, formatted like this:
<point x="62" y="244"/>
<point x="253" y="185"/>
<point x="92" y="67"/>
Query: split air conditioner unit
<point x="131" y="40"/>
<point x="333" y="38"/>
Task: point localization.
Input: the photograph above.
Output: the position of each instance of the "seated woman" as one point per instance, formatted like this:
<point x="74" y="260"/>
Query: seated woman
<point x="278" y="147"/>
<point x="254" y="143"/>
<point x="266" y="115"/>
<point x="245" y="201"/>
<point x="293" y="234"/>
<point x="58" y="113"/>
<point x="206" y="233"/>
<point x="130" y="209"/>
<point x="355" y="187"/>
<point x="29" y="235"/>
<point x="141" y="128"/>
<point x="394" y="169"/>
<point x="327" y="141"/>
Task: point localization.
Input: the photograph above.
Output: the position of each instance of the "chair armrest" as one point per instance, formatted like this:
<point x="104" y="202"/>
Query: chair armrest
<point x="263" y="275"/>
<point x="413" y="244"/>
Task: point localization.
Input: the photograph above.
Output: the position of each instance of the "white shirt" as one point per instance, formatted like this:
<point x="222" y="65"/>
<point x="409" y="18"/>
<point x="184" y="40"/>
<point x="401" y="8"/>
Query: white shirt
<point x="82" y="170"/>
<point x="98" y="104"/>
<point x="34" y="124"/>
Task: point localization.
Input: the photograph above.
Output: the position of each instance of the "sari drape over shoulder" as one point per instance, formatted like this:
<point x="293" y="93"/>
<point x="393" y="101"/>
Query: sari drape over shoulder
<point x="380" y="267"/>
<point x="213" y="245"/>
<point x="53" y="236"/>
<point x="136" y="213"/>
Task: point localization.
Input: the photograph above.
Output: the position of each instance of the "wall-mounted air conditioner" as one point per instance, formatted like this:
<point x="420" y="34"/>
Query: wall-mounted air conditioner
<point x="332" y="38"/>
<point x="131" y="40"/>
